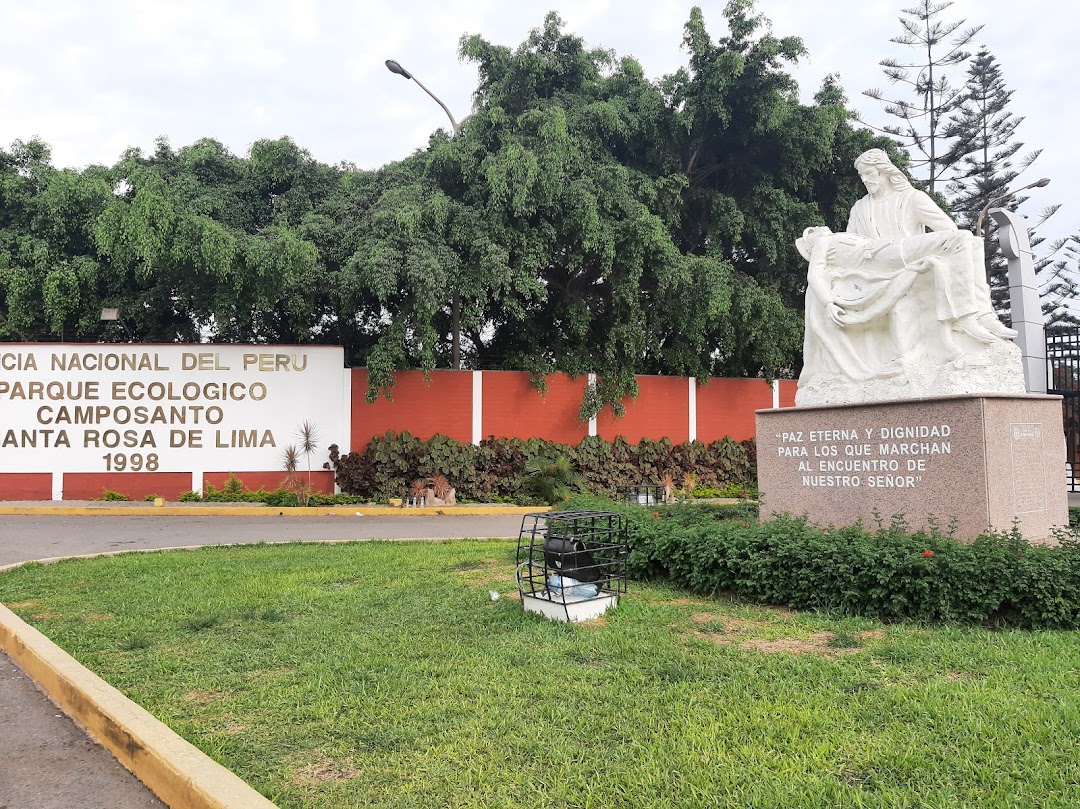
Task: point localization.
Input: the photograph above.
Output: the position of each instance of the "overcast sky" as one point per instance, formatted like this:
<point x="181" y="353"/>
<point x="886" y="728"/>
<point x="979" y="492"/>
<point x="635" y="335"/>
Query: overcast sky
<point x="94" y="78"/>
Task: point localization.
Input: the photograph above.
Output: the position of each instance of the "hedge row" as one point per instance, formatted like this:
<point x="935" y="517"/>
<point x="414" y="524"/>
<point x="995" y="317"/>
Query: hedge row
<point x="999" y="579"/>
<point x="494" y="469"/>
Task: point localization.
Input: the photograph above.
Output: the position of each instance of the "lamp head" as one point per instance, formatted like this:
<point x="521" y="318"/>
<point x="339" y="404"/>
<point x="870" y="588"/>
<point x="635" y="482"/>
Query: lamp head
<point x="394" y="67"/>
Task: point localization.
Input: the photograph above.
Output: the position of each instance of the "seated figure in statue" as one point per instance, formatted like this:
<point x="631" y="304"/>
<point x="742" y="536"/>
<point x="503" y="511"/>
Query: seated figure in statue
<point x="895" y="312"/>
<point x="893" y="209"/>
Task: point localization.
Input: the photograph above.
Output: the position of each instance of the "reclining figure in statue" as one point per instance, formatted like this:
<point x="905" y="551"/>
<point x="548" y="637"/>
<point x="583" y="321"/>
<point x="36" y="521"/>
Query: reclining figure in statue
<point x="856" y="281"/>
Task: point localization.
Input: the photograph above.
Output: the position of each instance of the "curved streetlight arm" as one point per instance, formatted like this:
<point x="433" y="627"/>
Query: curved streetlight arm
<point x="457" y="129"/>
<point x="394" y="67"/>
<point x="1045" y="181"/>
<point x="455" y="308"/>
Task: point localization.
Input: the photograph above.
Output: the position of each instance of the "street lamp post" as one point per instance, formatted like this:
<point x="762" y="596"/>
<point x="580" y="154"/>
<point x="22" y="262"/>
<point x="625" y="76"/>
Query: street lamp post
<point x="395" y="67"/>
<point x="111" y="314"/>
<point x="455" y="318"/>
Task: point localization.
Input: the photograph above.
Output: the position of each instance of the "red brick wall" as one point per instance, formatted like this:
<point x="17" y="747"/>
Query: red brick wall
<point x="25" y="486"/>
<point x="787" y="392"/>
<point x="513" y="408"/>
<point x="136" y="485"/>
<point x="661" y="409"/>
<point x="725" y="407"/>
<point x="443" y="405"/>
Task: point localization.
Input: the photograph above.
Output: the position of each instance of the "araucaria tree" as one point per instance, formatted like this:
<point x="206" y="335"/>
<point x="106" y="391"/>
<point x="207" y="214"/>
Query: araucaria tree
<point x="923" y="126"/>
<point x="985" y="129"/>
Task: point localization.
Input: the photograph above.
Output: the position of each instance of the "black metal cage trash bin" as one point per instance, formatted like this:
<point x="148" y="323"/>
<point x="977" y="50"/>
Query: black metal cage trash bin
<point x="571" y="565"/>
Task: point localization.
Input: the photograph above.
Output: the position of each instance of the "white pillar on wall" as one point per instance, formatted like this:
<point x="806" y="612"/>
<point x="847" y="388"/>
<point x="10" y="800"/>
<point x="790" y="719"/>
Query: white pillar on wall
<point x="477" y="406"/>
<point x="57" y="485"/>
<point x="776" y="394"/>
<point x="197" y="481"/>
<point x="344" y="442"/>
<point x="693" y="408"/>
<point x="592" y="420"/>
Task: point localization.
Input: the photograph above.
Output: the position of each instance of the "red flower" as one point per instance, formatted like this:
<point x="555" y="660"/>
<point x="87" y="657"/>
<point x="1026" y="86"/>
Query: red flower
<point x="927" y="554"/>
<point x="656" y="515"/>
<point x="746" y="525"/>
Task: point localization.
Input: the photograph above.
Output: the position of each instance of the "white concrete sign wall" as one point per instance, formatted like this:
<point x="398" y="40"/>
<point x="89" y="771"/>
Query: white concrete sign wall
<point x="164" y="408"/>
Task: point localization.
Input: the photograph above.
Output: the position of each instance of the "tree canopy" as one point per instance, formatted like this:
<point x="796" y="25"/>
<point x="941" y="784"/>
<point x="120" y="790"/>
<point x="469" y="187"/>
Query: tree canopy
<point x="587" y="218"/>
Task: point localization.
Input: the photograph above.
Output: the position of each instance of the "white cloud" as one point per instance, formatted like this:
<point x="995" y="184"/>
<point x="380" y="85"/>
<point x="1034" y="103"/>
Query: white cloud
<point x="302" y="20"/>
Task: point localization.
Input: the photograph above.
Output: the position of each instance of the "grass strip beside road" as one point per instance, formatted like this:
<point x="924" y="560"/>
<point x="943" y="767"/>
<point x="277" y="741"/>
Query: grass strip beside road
<point x="383" y="675"/>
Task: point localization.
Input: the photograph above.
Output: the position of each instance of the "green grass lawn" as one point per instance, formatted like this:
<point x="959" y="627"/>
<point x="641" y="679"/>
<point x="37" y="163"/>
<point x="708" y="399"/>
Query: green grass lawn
<point x="382" y="674"/>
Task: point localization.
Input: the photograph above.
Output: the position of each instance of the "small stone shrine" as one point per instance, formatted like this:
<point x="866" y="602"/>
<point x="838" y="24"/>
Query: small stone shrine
<point x="911" y="399"/>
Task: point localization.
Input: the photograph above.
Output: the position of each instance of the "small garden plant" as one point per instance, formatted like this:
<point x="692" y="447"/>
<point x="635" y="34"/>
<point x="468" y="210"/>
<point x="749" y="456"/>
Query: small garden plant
<point x="111" y="496"/>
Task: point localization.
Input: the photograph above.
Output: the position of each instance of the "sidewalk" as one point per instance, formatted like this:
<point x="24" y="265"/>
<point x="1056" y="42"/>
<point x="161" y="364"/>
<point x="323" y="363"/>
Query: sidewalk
<point x="48" y="762"/>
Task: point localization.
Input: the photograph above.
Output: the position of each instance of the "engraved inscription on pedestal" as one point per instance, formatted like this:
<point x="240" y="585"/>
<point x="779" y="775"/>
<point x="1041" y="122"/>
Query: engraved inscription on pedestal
<point x="879" y="457"/>
<point x="1028" y="474"/>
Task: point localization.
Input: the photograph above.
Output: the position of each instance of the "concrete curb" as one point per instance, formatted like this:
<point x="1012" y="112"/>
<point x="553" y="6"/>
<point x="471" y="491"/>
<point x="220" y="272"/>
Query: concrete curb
<point x="265" y="511"/>
<point x="180" y="774"/>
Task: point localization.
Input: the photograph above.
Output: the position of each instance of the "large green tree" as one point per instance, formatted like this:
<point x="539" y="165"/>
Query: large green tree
<point x="586" y="218"/>
<point x="52" y="279"/>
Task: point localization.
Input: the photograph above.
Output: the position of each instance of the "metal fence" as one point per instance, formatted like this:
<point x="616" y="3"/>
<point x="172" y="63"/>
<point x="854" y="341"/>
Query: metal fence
<point x="1063" y="379"/>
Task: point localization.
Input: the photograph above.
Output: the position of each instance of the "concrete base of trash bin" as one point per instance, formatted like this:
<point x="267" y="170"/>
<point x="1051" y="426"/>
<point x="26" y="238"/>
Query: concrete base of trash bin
<point x="574" y="610"/>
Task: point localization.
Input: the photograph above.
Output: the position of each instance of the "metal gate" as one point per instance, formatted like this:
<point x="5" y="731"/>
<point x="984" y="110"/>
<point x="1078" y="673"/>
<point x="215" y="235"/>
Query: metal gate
<point x="1063" y="379"/>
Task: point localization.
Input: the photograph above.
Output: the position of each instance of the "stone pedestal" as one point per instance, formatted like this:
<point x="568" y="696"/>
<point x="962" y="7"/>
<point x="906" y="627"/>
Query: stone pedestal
<point x="980" y="462"/>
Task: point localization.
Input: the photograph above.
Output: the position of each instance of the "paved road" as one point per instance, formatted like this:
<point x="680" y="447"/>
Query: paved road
<point x="46" y="761"/>
<point x="40" y="537"/>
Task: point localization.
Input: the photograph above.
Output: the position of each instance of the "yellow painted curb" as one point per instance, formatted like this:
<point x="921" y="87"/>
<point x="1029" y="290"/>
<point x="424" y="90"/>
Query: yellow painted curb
<point x="265" y="511"/>
<point x="180" y="774"/>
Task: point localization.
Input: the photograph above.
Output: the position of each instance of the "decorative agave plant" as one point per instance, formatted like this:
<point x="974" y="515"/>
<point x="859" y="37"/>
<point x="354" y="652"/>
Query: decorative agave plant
<point x="668" y="482"/>
<point x="417" y="490"/>
<point x="440" y="486"/>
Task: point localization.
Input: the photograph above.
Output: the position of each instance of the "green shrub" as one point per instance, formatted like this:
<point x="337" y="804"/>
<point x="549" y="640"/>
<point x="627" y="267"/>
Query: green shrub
<point x="551" y="479"/>
<point x="233" y="491"/>
<point x="495" y="470"/>
<point x="190" y="497"/>
<point x="150" y="498"/>
<point x="110" y="495"/>
<point x="891" y="574"/>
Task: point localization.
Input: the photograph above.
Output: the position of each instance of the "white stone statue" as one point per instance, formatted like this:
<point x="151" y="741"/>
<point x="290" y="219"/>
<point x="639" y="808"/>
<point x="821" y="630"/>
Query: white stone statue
<point x="894" y="312"/>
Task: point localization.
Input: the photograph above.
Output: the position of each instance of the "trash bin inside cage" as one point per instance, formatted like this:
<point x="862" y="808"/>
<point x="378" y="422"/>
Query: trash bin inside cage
<point x="571" y="565"/>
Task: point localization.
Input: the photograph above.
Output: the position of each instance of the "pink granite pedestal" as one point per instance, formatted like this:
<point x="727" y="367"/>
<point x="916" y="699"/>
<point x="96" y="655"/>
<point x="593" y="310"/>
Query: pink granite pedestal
<point x="977" y="462"/>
